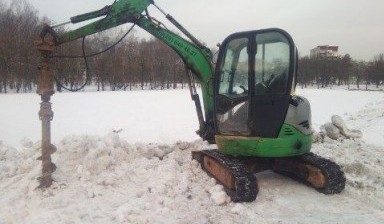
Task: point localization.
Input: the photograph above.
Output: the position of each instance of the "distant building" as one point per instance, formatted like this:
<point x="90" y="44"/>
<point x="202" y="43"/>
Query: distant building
<point x="325" y="51"/>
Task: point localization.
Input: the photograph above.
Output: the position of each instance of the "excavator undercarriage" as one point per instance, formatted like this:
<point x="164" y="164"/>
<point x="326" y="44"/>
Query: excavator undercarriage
<point x="237" y="174"/>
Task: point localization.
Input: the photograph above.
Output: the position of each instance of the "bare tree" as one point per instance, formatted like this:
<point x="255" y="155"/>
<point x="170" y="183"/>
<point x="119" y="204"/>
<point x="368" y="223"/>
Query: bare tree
<point x="18" y="57"/>
<point x="376" y="69"/>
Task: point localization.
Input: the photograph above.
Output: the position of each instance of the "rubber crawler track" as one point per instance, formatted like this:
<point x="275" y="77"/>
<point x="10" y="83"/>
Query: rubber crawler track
<point x="335" y="179"/>
<point x="246" y="187"/>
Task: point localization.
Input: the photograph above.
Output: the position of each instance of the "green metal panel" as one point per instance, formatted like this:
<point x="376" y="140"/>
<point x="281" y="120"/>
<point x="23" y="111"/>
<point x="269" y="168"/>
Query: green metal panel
<point x="130" y="7"/>
<point x="293" y="144"/>
<point x="121" y="11"/>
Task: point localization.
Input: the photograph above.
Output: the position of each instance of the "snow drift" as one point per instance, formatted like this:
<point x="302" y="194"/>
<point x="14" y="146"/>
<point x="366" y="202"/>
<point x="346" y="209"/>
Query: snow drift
<point x="107" y="180"/>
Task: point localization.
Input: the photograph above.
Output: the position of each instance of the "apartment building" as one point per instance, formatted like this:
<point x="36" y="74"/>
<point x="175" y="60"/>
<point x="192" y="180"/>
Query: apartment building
<point x="324" y="51"/>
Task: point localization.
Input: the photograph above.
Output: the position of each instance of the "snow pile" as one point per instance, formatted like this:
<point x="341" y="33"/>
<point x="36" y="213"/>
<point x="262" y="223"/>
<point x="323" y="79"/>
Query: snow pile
<point x="362" y="163"/>
<point x="337" y="129"/>
<point x="14" y="163"/>
<point x="107" y="180"/>
<point x="370" y="120"/>
<point x="111" y="179"/>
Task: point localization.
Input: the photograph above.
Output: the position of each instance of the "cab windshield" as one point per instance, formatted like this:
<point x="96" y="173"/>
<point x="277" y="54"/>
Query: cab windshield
<point x="252" y="65"/>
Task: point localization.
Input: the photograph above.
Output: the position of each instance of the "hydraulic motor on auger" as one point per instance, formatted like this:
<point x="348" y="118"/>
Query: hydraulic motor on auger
<point x="250" y="110"/>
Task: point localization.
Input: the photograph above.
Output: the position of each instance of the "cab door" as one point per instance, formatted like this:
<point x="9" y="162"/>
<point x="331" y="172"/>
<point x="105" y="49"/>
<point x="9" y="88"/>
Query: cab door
<point x="254" y="79"/>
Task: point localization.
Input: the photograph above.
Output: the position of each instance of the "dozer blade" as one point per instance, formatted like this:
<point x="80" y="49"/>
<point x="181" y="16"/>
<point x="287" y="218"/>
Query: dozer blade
<point x="238" y="180"/>
<point x="320" y="173"/>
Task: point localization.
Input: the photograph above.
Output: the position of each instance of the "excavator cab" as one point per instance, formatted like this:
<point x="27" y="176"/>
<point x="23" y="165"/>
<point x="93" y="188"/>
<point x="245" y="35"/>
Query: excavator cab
<point x="254" y="82"/>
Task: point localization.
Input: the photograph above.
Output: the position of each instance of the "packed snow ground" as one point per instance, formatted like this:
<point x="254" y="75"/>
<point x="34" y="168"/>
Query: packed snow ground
<point x="109" y="177"/>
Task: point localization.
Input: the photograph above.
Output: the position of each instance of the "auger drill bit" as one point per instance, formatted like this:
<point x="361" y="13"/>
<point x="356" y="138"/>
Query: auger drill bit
<point x="45" y="90"/>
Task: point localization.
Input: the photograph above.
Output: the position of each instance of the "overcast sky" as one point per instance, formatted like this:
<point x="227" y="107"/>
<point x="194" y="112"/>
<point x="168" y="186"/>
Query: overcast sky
<point x="356" y="26"/>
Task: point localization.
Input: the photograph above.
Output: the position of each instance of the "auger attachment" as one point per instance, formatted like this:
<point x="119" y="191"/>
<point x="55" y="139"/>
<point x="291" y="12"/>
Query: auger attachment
<point x="45" y="90"/>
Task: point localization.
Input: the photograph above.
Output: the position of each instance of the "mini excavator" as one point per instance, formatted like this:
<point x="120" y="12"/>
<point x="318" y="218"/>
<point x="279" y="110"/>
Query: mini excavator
<point x="250" y="110"/>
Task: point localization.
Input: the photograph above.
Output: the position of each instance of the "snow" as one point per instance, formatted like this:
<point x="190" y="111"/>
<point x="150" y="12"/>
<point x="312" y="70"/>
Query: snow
<point x="143" y="172"/>
<point x="337" y="129"/>
<point x="142" y="116"/>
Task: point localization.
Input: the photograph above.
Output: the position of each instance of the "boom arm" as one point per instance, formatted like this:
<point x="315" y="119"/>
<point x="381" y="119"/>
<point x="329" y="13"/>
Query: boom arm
<point x="196" y="57"/>
<point x="198" y="60"/>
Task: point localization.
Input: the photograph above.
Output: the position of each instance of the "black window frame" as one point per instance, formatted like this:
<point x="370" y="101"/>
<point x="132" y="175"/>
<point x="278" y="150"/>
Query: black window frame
<point x="252" y="48"/>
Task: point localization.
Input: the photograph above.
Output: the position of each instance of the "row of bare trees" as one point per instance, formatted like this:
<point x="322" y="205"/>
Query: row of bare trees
<point x="342" y="70"/>
<point x="132" y="64"/>
<point x="18" y="59"/>
<point x="135" y="63"/>
<point x="138" y="64"/>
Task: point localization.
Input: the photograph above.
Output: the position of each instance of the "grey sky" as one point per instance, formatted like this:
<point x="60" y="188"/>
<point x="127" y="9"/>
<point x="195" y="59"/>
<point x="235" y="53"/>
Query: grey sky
<point x="356" y="26"/>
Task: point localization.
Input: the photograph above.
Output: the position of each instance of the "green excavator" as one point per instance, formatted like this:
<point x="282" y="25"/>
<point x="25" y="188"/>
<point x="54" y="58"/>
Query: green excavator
<point x="250" y="110"/>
